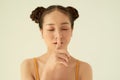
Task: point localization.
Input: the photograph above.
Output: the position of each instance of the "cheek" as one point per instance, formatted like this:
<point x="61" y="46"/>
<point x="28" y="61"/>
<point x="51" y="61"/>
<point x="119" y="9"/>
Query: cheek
<point x="67" y="36"/>
<point x="47" y="36"/>
<point x="68" y="33"/>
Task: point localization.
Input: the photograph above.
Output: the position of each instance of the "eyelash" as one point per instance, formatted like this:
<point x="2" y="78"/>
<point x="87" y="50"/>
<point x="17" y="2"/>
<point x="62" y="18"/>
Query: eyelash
<point x="64" y="29"/>
<point x="53" y="29"/>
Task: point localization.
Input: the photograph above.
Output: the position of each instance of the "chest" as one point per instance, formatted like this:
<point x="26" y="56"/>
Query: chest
<point x="62" y="73"/>
<point x="65" y="74"/>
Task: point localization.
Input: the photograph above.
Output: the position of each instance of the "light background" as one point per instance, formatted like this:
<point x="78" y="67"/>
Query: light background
<point x="96" y="37"/>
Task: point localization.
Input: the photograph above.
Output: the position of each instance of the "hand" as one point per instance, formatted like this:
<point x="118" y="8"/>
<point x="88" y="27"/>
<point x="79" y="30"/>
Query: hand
<point x="58" y="57"/>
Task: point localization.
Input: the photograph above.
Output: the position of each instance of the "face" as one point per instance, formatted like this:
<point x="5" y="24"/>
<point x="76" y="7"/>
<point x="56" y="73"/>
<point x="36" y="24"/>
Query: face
<point x="56" y="26"/>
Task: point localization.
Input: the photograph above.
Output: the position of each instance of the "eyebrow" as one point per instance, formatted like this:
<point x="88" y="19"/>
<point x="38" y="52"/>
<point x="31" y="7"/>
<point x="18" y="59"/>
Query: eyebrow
<point x="64" y="23"/>
<point x="61" y="23"/>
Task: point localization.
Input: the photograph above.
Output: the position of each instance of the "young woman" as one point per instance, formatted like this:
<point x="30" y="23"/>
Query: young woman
<point x="56" y="26"/>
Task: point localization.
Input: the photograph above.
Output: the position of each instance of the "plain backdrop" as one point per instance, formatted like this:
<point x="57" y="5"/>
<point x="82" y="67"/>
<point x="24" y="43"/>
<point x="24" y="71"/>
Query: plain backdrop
<point x="95" y="40"/>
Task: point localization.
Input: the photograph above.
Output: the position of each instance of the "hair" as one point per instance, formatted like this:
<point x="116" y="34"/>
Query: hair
<point x="39" y="13"/>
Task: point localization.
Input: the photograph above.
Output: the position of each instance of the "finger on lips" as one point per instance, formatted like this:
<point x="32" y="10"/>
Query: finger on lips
<point x="63" y="54"/>
<point x="58" y="45"/>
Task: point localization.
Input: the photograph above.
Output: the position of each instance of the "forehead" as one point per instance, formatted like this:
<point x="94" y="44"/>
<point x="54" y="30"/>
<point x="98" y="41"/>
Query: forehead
<point x="56" y="17"/>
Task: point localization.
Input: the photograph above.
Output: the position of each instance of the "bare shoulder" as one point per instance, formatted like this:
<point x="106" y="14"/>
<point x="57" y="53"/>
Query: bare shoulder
<point x="85" y="66"/>
<point x="27" y="63"/>
<point x="85" y="71"/>
<point x="26" y="69"/>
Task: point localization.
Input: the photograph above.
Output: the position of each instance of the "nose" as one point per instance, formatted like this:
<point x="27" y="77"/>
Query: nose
<point x="58" y="35"/>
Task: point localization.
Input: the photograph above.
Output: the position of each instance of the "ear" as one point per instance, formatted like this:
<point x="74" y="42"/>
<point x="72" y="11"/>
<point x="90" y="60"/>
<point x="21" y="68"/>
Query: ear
<point x="71" y="32"/>
<point x="41" y="32"/>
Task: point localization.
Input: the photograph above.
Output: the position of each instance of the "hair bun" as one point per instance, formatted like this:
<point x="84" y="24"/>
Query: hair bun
<point x="73" y="12"/>
<point x="36" y="14"/>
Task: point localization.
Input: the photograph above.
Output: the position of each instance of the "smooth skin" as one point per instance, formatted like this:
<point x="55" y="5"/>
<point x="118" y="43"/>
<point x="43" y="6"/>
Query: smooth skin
<point x="56" y="63"/>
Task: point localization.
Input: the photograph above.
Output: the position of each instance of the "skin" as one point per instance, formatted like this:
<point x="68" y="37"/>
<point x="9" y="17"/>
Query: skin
<point x="56" y="63"/>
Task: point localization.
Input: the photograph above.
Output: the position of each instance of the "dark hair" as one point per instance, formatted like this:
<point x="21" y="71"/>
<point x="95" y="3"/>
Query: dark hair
<point x="38" y="14"/>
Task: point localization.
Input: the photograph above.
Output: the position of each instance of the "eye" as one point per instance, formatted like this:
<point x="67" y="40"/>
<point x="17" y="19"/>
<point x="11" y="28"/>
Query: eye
<point x="50" y="29"/>
<point x="64" y="29"/>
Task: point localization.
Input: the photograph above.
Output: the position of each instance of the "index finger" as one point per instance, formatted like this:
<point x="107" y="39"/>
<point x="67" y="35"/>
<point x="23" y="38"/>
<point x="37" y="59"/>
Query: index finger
<point x="58" y="45"/>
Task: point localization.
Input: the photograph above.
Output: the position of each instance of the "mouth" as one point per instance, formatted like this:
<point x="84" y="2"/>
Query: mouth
<point x="56" y="42"/>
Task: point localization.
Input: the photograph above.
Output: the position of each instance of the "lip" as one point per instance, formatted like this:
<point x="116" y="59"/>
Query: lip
<point x="56" y="42"/>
